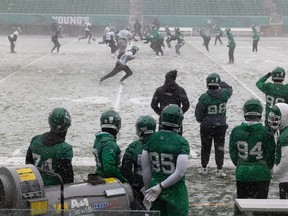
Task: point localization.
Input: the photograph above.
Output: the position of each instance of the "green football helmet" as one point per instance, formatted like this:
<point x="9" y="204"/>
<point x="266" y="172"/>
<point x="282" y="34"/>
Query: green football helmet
<point x="213" y="80"/>
<point x="172" y="116"/>
<point x="253" y="107"/>
<point x="135" y="48"/>
<point x="275" y="117"/>
<point x="110" y="119"/>
<point x="145" y="125"/>
<point x="278" y="74"/>
<point x="59" y="119"/>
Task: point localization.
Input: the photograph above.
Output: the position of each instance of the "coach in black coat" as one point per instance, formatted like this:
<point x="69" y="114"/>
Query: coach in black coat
<point x="170" y="93"/>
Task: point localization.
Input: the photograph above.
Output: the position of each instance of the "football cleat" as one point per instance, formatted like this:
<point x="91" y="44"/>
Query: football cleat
<point x="220" y="173"/>
<point x="203" y="171"/>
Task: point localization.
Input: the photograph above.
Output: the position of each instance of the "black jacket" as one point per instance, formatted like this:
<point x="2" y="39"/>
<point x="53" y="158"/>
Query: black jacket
<point x="169" y="93"/>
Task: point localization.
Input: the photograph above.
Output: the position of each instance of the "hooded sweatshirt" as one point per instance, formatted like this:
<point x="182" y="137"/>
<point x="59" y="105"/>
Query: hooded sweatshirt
<point x="107" y="156"/>
<point x="280" y="171"/>
<point x="170" y="93"/>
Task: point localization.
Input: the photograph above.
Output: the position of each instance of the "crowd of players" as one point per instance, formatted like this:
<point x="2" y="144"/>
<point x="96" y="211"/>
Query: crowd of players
<point x="155" y="164"/>
<point x="117" y="39"/>
<point x="252" y="147"/>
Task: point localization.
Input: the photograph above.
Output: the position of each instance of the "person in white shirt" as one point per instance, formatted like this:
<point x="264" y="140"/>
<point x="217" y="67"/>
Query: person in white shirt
<point x="123" y="37"/>
<point x="88" y="34"/>
<point x="121" y="65"/>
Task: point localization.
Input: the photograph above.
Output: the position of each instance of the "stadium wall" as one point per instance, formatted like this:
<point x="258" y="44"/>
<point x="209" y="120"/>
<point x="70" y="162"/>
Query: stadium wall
<point x="40" y="23"/>
<point x="202" y="21"/>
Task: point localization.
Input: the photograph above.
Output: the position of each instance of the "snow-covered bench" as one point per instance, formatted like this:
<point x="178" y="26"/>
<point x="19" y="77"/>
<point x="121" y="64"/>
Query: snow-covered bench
<point x="250" y="206"/>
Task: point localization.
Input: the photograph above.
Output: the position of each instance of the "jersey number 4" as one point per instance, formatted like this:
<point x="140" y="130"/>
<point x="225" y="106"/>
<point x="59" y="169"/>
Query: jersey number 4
<point x="46" y="165"/>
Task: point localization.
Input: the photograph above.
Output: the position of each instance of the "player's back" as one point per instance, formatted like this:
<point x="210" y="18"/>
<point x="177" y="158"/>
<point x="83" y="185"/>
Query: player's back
<point x="164" y="147"/>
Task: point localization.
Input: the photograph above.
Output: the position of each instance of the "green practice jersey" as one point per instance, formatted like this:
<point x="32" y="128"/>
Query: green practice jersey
<point x="275" y="93"/>
<point x="48" y="157"/>
<point x="179" y="36"/>
<point x="231" y="41"/>
<point x="256" y="35"/>
<point x="219" y="31"/>
<point x="215" y="105"/>
<point x="164" y="147"/>
<point x="252" y="149"/>
<point x="131" y="163"/>
<point x="211" y="107"/>
<point x="107" y="156"/>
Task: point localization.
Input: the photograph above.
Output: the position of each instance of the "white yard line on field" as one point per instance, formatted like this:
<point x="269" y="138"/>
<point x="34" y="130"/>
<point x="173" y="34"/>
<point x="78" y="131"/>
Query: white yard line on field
<point x="31" y="63"/>
<point x="117" y="103"/>
<point x="227" y="71"/>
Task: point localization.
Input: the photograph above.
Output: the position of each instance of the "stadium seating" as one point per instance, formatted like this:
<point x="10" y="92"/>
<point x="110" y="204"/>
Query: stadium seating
<point x="205" y="7"/>
<point x="65" y="6"/>
<point x="151" y="7"/>
<point x="281" y="6"/>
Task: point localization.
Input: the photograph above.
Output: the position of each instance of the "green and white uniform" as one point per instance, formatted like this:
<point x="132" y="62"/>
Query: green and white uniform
<point x="252" y="149"/>
<point x="107" y="156"/>
<point x="131" y="164"/>
<point x="49" y="157"/>
<point x="275" y="93"/>
<point x="163" y="148"/>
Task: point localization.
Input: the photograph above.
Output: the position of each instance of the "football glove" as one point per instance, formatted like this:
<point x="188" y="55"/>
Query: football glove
<point x="268" y="75"/>
<point x="153" y="193"/>
<point x="147" y="204"/>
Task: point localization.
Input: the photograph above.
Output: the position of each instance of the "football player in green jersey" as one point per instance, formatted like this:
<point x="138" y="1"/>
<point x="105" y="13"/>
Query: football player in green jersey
<point x="278" y="120"/>
<point x="206" y="38"/>
<point x="164" y="164"/>
<point x="252" y="149"/>
<point x="50" y="152"/>
<point x="106" y="151"/>
<point x="131" y="162"/>
<point x="275" y="92"/>
<point x="219" y="34"/>
<point x="256" y="38"/>
<point x="210" y="112"/>
<point x="180" y="40"/>
<point x="231" y="45"/>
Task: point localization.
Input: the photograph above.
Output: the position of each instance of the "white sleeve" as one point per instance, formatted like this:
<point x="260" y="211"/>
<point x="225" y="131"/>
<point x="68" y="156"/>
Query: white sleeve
<point x="181" y="167"/>
<point x="146" y="168"/>
<point x="280" y="173"/>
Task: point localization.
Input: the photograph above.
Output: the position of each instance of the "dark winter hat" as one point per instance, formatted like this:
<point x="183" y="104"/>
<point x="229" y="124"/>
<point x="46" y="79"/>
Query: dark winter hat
<point x="171" y="75"/>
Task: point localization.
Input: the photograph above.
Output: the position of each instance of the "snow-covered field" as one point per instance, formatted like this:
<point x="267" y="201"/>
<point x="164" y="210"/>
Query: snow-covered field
<point x="33" y="81"/>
